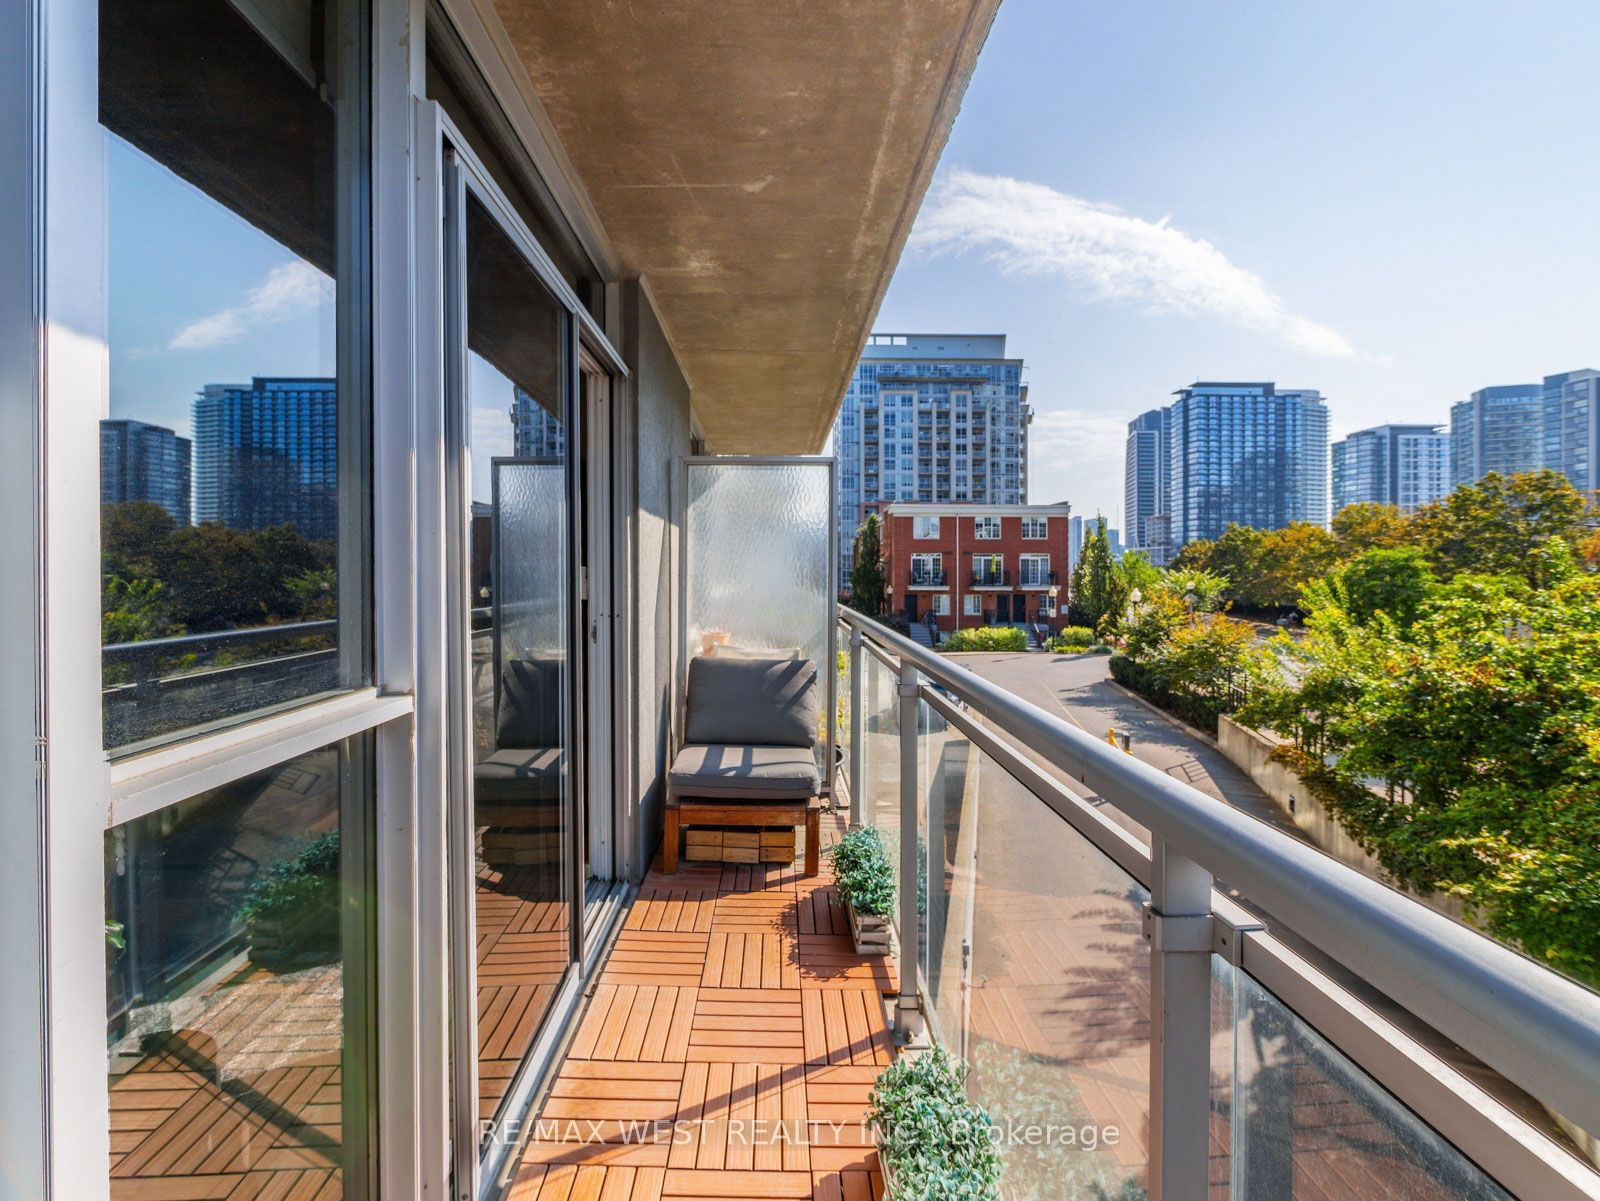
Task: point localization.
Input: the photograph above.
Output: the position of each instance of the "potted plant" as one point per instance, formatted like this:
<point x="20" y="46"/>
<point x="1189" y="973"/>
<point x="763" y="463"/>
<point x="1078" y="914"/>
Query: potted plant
<point x="291" y="914"/>
<point x="865" y="880"/>
<point x="933" y="1143"/>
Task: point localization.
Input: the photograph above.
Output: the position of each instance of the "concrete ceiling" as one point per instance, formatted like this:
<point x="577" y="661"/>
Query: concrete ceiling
<point x="760" y="163"/>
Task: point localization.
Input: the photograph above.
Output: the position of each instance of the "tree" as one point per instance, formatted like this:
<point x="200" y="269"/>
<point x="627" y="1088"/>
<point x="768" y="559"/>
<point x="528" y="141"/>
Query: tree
<point x="866" y="575"/>
<point x="1485" y="719"/>
<point x="1288" y="560"/>
<point x="1367" y="526"/>
<point x="1495" y="525"/>
<point x="1093" y="595"/>
<point x="1394" y="582"/>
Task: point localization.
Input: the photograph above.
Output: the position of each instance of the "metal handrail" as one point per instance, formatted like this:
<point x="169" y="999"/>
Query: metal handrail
<point x="1536" y="1028"/>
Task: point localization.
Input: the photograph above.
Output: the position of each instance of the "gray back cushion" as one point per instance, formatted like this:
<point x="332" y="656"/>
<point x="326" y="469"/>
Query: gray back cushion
<point x="752" y="702"/>
<point x="529" y="712"/>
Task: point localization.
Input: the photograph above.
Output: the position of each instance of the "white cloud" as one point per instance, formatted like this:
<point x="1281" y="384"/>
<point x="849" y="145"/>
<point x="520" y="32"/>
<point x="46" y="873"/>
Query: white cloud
<point x="1107" y="254"/>
<point x="1074" y="453"/>
<point x="289" y="289"/>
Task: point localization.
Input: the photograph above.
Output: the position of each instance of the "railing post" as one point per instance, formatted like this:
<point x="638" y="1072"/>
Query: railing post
<point x="1177" y="924"/>
<point x="908" y="1007"/>
<point x="857" y="724"/>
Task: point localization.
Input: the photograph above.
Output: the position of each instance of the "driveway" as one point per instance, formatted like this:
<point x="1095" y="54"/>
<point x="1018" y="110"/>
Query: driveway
<point x="1080" y="688"/>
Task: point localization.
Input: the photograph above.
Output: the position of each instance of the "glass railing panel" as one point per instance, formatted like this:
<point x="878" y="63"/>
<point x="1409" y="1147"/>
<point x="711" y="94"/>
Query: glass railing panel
<point x="1052" y="1008"/>
<point x="1305" y="1122"/>
<point x="880" y="803"/>
<point x="946" y="841"/>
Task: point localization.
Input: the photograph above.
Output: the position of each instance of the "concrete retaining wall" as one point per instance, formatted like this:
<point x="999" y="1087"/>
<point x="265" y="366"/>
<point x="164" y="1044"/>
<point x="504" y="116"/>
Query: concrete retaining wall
<point x="1252" y="751"/>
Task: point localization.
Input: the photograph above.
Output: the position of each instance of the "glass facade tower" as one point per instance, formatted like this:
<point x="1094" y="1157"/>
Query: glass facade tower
<point x="930" y="417"/>
<point x="1146" y="484"/>
<point x="266" y="454"/>
<point x="140" y="461"/>
<point x="1403" y="465"/>
<point x="1497" y="429"/>
<point x="1572" y="426"/>
<point x="1247" y="454"/>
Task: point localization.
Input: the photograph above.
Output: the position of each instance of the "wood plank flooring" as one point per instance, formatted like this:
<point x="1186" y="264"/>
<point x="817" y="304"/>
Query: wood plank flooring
<point x="726" y="1052"/>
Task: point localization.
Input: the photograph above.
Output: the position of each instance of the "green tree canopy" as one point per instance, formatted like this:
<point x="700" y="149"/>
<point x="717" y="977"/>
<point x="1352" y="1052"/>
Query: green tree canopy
<point x="1093" y="595"/>
<point x="866" y="575"/>
<point x="1495" y="525"/>
<point x="1394" y="582"/>
<point x="1485" y="718"/>
<point x="1369" y="526"/>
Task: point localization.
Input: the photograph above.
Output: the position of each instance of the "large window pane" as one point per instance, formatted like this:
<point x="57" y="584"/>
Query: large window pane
<point x="229" y="956"/>
<point x="519" y="581"/>
<point x="231" y="540"/>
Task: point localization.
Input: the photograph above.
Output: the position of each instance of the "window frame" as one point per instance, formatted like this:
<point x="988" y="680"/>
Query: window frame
<point x="81" y="790"/>
<point x="1040" y="561"/>
<point x="981" y="524"/>
<point x="1042" y="524"/>
<point x="921" y="527"/>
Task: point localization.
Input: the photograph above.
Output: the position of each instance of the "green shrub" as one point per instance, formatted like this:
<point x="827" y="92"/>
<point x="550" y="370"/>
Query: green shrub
<point x="862" y="872"/>
<point x="293" y="909"/>
<point x="1073" y="638"/>
<point x="937" y="1143"/>
<point x="986" y="638"/>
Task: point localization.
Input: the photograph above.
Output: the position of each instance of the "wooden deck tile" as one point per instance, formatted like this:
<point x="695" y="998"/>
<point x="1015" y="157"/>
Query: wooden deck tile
<point x="719" y="1007"/>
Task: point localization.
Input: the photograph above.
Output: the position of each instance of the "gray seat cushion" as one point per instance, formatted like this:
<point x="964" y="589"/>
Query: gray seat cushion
<point x="529" y="707"/>
<point x="721" y="772"/>
<point x="752" y="702"/>
<point x="518" y="774"/>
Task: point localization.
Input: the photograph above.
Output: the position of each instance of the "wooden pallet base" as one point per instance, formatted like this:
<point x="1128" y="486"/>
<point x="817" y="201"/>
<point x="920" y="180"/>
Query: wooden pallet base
<point x="734" y="844"/>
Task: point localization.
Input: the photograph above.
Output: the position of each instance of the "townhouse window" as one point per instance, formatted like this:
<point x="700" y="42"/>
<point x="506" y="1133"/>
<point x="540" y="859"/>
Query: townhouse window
<point x="926" y="569"/>
<point x="924" y="527"/>
<point x="986" y="527"/>
<point x="1035" y="527"/>
<point x="941" y="604"/>
<point x="1033" y="571"/>
<point x="972" y="604"/>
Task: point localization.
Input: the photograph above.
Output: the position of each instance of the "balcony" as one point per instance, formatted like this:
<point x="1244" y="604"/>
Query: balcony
<point x="1036" y="581"/>
<point x="929" y="578"/>
<point x="994" y="577"/>
<point x="1307" y="1033"/>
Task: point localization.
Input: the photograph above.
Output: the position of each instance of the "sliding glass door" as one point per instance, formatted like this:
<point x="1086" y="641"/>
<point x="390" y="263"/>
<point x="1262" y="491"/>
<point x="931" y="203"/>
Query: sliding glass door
<point x="519" y="761"/>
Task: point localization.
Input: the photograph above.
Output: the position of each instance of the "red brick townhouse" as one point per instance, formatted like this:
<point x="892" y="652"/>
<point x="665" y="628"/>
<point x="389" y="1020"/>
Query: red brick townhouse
<point x="976" y="564"/>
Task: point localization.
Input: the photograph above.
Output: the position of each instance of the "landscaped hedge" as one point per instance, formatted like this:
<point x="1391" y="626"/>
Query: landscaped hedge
<point x="1073" y="638"/>
<point x="1199" y="711"/>
<point x="986" y="638"/>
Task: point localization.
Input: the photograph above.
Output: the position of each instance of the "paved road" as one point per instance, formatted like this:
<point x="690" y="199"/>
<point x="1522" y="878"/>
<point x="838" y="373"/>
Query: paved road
<point x="1080" y="687"/>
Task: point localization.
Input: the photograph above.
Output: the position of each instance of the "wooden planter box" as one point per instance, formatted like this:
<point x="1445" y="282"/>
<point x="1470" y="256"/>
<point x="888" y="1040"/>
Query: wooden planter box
<point x="300" y="940"/>
<point x="871" y="933"/>
<point x="735" y="844"/>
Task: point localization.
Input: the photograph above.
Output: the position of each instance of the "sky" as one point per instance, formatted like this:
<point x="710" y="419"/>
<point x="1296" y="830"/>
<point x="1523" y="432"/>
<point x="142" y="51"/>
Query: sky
<point x="199" y="296"/>
<point x="1395" y="204"/>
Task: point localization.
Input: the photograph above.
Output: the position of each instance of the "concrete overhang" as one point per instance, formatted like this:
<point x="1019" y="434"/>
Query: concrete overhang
<point x="760" y="165"/>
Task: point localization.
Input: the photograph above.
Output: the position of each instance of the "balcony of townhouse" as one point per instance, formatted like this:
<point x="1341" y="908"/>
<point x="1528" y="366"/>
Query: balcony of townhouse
<point x="990" y="578"/>
<point x="1036" y="581"/>
<point x="928" y="577"/>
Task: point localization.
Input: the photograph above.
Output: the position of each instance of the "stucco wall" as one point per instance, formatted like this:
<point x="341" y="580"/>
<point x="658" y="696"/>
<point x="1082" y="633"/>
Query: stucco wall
<point x="1251" y="750"/>
<point x="662" y="432"/>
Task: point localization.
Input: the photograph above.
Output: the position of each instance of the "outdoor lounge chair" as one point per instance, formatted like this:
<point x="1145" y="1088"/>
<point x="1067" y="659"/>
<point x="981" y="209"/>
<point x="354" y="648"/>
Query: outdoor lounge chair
<point x="749" y="753"/>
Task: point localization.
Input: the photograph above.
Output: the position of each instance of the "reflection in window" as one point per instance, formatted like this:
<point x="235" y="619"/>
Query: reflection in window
<point x="226" y="980"/>
<point x="220" y="479"/>
<point x="520" y="572"/>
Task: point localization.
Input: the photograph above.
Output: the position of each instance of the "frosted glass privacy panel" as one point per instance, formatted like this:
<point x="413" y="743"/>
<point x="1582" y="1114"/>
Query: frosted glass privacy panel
<point x="757" y="563"/>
